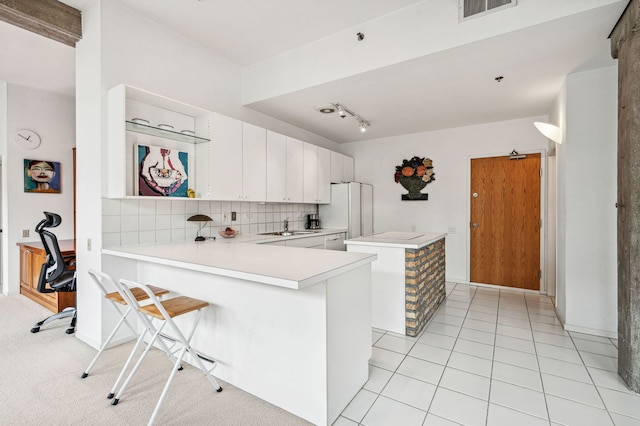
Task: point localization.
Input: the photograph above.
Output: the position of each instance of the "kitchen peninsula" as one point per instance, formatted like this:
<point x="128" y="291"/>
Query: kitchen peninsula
<point x="408" y="278"/>
<point x="289" y="326"/>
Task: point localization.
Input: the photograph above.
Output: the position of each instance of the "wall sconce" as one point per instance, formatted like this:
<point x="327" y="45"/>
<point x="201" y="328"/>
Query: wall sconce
<point x="203" y="219"/>
<point x="551" y="131"/>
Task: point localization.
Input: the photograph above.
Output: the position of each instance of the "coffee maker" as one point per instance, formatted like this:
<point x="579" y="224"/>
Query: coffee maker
<point x="312" y="222"/>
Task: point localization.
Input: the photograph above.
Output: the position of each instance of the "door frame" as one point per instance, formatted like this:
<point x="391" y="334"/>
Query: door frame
<point x="544" y="216"/>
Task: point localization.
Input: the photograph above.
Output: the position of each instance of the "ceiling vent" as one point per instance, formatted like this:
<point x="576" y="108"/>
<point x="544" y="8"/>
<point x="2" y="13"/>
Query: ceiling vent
<point x="474" y="8"/>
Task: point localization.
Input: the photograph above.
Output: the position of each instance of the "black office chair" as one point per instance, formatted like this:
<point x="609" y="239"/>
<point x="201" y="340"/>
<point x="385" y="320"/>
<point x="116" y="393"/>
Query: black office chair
<point x="58" y="272"/>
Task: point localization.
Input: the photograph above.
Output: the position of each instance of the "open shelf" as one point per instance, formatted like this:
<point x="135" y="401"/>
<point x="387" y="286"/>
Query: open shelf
<point x="164" y="133"/>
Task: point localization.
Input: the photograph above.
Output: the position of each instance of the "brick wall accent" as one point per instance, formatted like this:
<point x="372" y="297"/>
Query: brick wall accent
<point x="424" y="285"/>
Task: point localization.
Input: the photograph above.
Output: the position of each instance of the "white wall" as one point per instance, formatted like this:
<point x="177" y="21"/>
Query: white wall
<point x="587" y="159"/>
<point x="52" y="116"/>
<point x="448" y="204"/>
<point x="3" y="204"/>
<point x="558" y="116"/>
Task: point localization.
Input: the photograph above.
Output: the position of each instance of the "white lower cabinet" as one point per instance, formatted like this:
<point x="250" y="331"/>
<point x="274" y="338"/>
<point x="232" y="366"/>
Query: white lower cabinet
<point x="307" y="242"/>
<point x="322" y="242"/>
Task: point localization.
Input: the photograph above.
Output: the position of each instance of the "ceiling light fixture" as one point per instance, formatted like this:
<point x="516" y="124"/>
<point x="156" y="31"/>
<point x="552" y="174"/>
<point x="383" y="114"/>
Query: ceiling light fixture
<point x="363" y="124"/>
<point x="326" y="109"/>
<point x="344" y="111"/>
<point x="551" y="131"/>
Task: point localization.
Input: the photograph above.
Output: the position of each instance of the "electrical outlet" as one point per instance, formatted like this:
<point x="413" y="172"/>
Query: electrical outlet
<point x="413" y="228"/>
<point x="233" y="216"/>
<point x="89" y="244"/>
<point x="224" y="216"/>
<point x="25" y="233"/>
<point x="452" y="230"/>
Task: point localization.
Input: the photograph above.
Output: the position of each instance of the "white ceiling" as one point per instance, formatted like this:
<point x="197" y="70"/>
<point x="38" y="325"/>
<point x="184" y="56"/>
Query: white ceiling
<point x="453" y="88"/>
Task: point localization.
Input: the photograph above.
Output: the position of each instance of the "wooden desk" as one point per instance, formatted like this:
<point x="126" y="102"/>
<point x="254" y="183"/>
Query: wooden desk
<point x="32" y="256"/>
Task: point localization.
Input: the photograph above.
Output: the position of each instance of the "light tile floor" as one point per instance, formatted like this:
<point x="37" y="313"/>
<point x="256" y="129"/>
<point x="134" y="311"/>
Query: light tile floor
<point x="493" y="357"/>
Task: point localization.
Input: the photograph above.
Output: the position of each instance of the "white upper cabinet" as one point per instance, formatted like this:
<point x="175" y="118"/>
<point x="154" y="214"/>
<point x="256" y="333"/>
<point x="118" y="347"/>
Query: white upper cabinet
<point x="324" y="176"/>
<point x="347" y="169"/>
<point x="341" y="168"/>
<point x="254" y="163"/>
<point x="295" y="170"/>
<point x="310" y="173"/>
<point x="317" y="174"/>
<point x="164" y="148"/>
<point x="156" y="146"/>
<point x="227" y="158"/>
<point x="336" y="167"/>
<point x="239" y="160"/>
<point x="276" y="167"/>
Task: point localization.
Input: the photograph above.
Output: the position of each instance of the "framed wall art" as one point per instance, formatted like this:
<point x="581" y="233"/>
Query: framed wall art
<point x="161" y="172"/>
<point x="41" y="176"/>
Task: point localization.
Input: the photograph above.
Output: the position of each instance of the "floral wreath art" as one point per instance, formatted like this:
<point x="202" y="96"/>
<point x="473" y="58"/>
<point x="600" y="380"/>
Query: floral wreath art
<point x="414" y="175"/>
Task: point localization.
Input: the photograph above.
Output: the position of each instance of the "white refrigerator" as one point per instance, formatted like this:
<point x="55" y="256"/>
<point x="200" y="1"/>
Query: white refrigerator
<point x="351" y="208"/>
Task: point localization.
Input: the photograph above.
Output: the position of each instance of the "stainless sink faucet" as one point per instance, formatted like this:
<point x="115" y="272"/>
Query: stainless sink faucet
<point x="286" y="224"/>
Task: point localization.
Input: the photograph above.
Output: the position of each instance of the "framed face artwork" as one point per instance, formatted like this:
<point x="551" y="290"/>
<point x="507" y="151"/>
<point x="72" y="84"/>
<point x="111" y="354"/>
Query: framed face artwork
<point x="41" y="176"/>
<point x="161" y="172"/>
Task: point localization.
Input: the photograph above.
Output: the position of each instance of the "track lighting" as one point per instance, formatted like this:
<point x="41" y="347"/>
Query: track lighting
<point x="343" y="112"/>
<point x="362" y="124"/>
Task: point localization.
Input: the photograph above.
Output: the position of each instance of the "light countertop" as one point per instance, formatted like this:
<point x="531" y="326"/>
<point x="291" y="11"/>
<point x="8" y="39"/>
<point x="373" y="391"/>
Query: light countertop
<point x="260" y="239"/>
<point x="410" y="240"/>
<point x="288" y="267"/>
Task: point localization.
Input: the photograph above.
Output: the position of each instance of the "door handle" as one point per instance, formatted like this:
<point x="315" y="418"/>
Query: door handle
<point x="475" y="225"/>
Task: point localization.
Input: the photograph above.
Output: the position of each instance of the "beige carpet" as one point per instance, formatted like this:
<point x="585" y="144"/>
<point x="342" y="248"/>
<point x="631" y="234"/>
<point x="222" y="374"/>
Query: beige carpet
<point x="40" y="382"/>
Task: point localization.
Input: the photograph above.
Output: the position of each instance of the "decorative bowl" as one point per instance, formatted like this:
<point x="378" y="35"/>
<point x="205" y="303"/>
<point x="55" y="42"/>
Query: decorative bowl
<point x="228" y="233"/>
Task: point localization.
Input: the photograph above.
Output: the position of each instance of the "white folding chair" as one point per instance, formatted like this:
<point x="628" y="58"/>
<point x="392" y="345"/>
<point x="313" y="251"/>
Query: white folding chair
<point x="117" y="300"/>
<point x="165" y="311"/>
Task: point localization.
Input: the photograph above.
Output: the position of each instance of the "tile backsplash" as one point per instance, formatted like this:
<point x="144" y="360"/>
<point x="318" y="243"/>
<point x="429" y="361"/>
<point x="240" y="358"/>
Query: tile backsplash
<point x="137" y="221"/>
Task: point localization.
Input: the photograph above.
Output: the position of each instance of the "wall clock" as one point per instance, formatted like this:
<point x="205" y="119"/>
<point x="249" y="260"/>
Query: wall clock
<point x="27" y="139"/>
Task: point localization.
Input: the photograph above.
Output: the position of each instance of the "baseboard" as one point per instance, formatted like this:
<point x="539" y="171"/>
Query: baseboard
<point x="592" y="331"/>
<point x="86" y="339"/>
<point x="96" y="345"/>
<point x="505" y="288"/>
<point x="456" y="281"/>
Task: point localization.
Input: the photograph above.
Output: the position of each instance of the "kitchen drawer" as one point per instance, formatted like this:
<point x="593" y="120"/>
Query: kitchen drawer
<point x="275" y="243"/>
<point x="307" y="242"/>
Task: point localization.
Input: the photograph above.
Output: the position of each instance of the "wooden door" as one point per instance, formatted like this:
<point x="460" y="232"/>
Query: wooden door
<point x="505" y="221"/>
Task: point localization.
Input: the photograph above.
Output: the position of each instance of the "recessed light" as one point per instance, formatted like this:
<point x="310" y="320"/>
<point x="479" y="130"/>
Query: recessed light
<point x="325" y="109"/>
